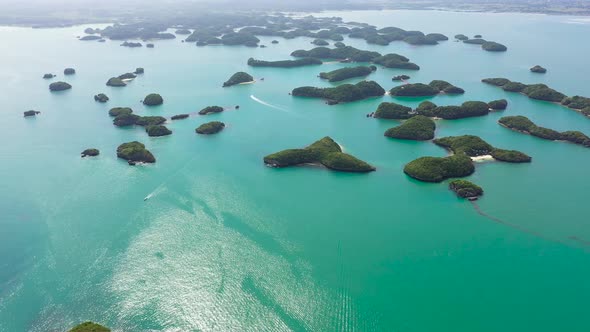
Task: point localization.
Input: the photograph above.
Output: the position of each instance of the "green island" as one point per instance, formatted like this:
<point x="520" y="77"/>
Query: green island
<point x="89" y="327"/>
<point x="461" y="37"/>
<point x="116" y="82"/>
<point x="30" y="113"/>
<point x="116" y="111"/>
<point x="101" y="98"/>
<point x="285" y="63"/>
<point x="425" y="90"/>
<point x="498" y="105"/>
<point x="59" y="86"/>
<point x="139" y="71"/>
<point x="324" y="152"/>
<point x="346" y="73"/>
<point x="125" y="119"/>
<point x="491" y="46"/>
<point x="533" y="91"/>
<point x="538" y="69"/>
<point x="147" y="121"/>
<point x="89" y="38"/>
<point x="387" y="110"/>
<point x="127" y="76"/>
<point x="157" y="130"/>
<point x="153" y="99"/>
<point x="474" y="146"/>
<point x="320" y="42"/>
<point x="238" y="78"/>
<point x="438" y="169"/>
<point x="69" y="71"/>
<point x="135" y="152"/>
<point x="90" y="153"/>
<point x="47" y="76"/>
<point x="466" y="189"/>
<point x="179" y="116"/>
<point x="351" y="54"/>
<point x="419" y="128"/>
<point x="131" y="44"/>
<point x="397" y="61"/>
<point x="342" y="93"/>
<point x="475" y="41"/>
<point x="211" y="109"/>
<point x="525" y="125"/>
<point x="210" y="128"/>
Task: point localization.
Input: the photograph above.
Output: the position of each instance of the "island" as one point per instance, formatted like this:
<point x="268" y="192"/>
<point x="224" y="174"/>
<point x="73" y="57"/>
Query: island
<point x="59" y="86"/>
<point x="240" y="38"/>
<point x="48" y="76"/>
<point x="89" y="327"/>
<point x="538" y="69"/>
<point x="578" y="103"/>
<point x="346" y="73"/>
<point x="116" y="82"/>
<point x="135" y="152"/>
<point x="350" y="54"/>
<point x="387" y="110"/>
<point x="150" y="45"/>
<point x="139" y="71"/>
<point x="153" y="99"/>
<point x="179" y="117"/>
<point x="274" y="41"/>
<point x="131" y="44"/>
<point x="157" y="131"/>
<point x="320" y="42"/>
<point x="69" y="71"/>
<point x="183" y="32"/>
<point x="533" y="91"/>
<point x="146" y="121"/>
<point x="116" y="111"/>
<point x="238" y="78"/>
<point x="491" y="46"/>
<point x="466" y="189"/>
<point x="474" y="146"/>
<point x="210" y="128"/>
<point x="284" y="63"/>
<point x="397" y="61"/>
<point x="324" y="152"/>
<point x="438" y="169"/>
<point x="101" y="98"/>
<point x="342" y="93"/>
<point x="90" y="153"/>
<point x="498" y="105"/>
<point x="461" y="37"/>
<point x="400" y="78"/>
<point x="425" y="90"/>
<point x="418" y="128"/>
<point x="211" y="109"/>
<point x="125" y="119"/>
<point x="89" y="38"/>
<point x="127" y="76"/>
<point x="524" y="125"/>
<point x="468" y="109"/>
<point x="30" y="113"/>
<point x="475" y="41"/>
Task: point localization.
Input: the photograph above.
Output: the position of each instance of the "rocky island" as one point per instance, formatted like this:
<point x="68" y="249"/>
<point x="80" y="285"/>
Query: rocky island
<point x="89" y="327"/>
<point x="30" y="113"/>
<point x="116" y="82"/>
<point x="473" y="146"/>
<point x="538" y="69"/>
<point x="437" y="169"/>
<point x="533" y="91"/>
<point x="466" y="189"/>
<point x="498" y="105"/>
<point x="493" y="47"/>
<point x="400" y="78"/>
<point x="179" y="116"/>
<point x="69" y="71"/>
<point x="351" y="54"/>
<point x="524" y="125"/>
<point x="135" y="152"/>
<point x="59" y="86"/>
<point x="146" y="121"/>
<point x="157" y="131"/>
<point x="90" y="153"/>
<point x="211" y="109"/>
<point x="418" y="128"/>
<point x="324" y="152"/>
<point x="285" y="63"/>
<point x="342" y="93"/>
<point x="48" y="76"/>
<point x="210" y="128"/>
<point x="346" y="73"/>
<point x="101" y="98"/>
<point x="238" y="78"/>
<point x="116" y="111"/>
<point x="425" y="90"/>
<point x="153" y="99"/>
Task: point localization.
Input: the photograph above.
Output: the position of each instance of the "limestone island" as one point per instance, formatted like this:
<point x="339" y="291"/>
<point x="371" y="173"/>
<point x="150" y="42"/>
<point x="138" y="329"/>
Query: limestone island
<point x="473" y="146"/>
<point x="324" y="152"/>
<point x="425" y="90"/>
<point x="69" y="71"/>
<point x="533" y="91"/>
<point x="90" y="153"/>
<point x="89" y="327"/>
<point x="461" y="37"/>
<point x="150" y="45"/>
<point x="153" y="99"/>
<point x="320" y="42"/>
<point x="346" y="73"/>
<point x="285" y="63"/>
<point x="90" y="38"/>
<point x="30" y="113"/>
<point x="211" y="109"/>
<point x="48" y="76"/>
<point x="139" y="71"/>
<point x="491" y="46"/>
<point x="538" y="69"/>
<point x="498" y="105"/>
<point x="59" y="86"/>
<point x="127" y="76"/>
<point x="418" y="128"/>
<point x="238" y="78"/>
<point x="116" y="111"/>
<point x="351" y="54"/>
<point x="342" y="93"/>
<point x="131" y="44"/>
<point x="210" y="128"/>
<point x="387" y="110"/>
<point x="466" y="189"/>
<point x="179" y="117"/>
<point x="524" y="125"/>
<point x="101" y="98"/>
<point x="116" y="82"/>
<point x="135" y="152"/>
<point x="147" y="121"/>
<point x="157" y="131"/>
<point x="438" y="169"/>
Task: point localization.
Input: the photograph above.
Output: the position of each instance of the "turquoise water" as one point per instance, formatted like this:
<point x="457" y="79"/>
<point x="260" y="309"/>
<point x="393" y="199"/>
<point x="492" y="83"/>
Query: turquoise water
<point x="226" y="244"/>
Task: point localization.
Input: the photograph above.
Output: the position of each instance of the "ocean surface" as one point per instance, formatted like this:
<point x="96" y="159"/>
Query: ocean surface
<point x="227" y="244"/>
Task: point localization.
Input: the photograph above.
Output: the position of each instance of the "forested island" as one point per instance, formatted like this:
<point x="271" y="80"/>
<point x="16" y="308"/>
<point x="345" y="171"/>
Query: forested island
<point x="284" y="63"/>
<point x="210" y="128"/>
<point x="153" y="99"/>
<point x="89" y="327"/>
<point x="324" y="152"/>
<point x="238" y="78"/>
<point x="211" y="109"/>
<point x="30" y="113"/>
<point x="342" y="93"/>
<point x="525" y="125"/>
<point x="419" y="128"/>
<point x="474" y="146"/>
<point x="425" y="90"/>
<point x="116" y="82"/>
<point x="157" y="130"/>
<point x="538" y="69"/>
<point x="466" y="189"/>
<point x="101" y="98"/>
<point x="346" y="73"/>
<point x="351" y="54"/>
<point x="388" y="110"/>
<point x="90" y="153"/>
<point x="135" y="152"/>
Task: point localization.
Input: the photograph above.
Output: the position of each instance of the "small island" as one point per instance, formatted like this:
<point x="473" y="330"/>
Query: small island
<point x="491" y="46"/>
<point x="396" y="61"/>
<point x="522" y="124"/>
<point x="238" y="78"/>
<point x="400" y="78"/>
<point x="342" y="93"/>
<point x="466" y="189"/>
<point x="30" y="113"/>
<point x="533" y="91"/>
<point x="285" y="63"/>
<point x="135" y="152"/>
<point x="90" y="153"/>
<point x="139" y="71"/>
<point x="89" y="327"/>
<point x="346" y="73"/>
<point x="116" y="111"/>
<point x="473" y="146"/>
<point x="498" y="105"/>
<point x="157" y="131"/>
<point x="210" y="128"/>
<point x="69" y="71"/>
<point x="150" y="45"/>
<point x="461" y="37"/>
<point x="146" y="121"/>
<point x="320" y="42"/>
<point x="387" y="110"/>
<point x="425" y="90"/>
<point x="90" y="38"/>
<point x="116" y="82"/>
<point x="59" y="86"/>
<point x="127" y="76"/>
<point x="211" y="109"/>
<point x="418" y="128"/>
<point x="153" y="99"/>
<point x="538" y="69"/>
<point x="101" y="98"/>
<point x="438" y="169"/>
<point x="131" y="44"/>
<point x="48" y="76"/>
<point x="179" y="117"/>
<point x="324" y="152"/>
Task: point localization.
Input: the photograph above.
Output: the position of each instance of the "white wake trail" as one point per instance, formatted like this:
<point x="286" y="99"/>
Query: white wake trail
<point x="268" y="104"/>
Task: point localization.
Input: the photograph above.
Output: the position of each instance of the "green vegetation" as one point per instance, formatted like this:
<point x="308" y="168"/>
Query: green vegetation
<point x="461" y="37"/>
<point x="475" y="41"/>
<point x="342" y="93"/>
<point x="446" y="87"/>
<point x="395" y="61"/>
<point x="524" y="125"/>
<point x="500" y="104"/>
<point x="543" y="92"/>
<point x="120" y="110"/>
<point x="285" y="63"/>
<point x="135" y="152"/>
<point x="436" y="169"/>
<point x="153" y="99"/>
<point x="496" y="81"/>
<point x="209" y="128"/>
<point x="510" y="156"/>
<point x="30" y="113"/>
<point x="69" y="71"/>
<point x="538" y="69"/>
<point x="125" y="119"/>
<point x="576" y="102"/>
<point x="127" y="76"/>
<point x="101" y="98"/>
<point x="419" y="128"/>
<point x="325" y="152"/>
<point x="59" y="86"/>
<point x="465" y="189"/>
<point x="240" y="38"/>
<point x="139" y="71"/>
<point x="493" y="47"/>
<point x="211" y="109"/>
<point x="320" y="42"/>
<point x="47" y="76"/>
<point x="537" y="91"/>
<point x="388" y="110"/>
<point x="238" y="78"/>
<point x="89" y="327"/>
<point x="413" y="90"/>
<point x="339" y="53"/>
<point x="157" y="130"/>
<point x="146" y="121"/>
<point x="474" y="146"/>
<point x="115" y="81"/>
<point x="179" y="117"/>
<point x="90" y="153"/>
<point x="346" y="73"/>
<point x="131" y="44"/>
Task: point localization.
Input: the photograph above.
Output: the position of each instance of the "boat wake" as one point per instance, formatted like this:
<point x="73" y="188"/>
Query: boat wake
<point x="268" y="104"/>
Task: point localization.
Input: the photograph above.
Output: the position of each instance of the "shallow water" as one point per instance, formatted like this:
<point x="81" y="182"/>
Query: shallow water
<point x="226" y="244"/>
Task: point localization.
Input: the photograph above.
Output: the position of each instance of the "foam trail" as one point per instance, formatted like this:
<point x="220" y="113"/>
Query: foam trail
<point x="269" y="105"/>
